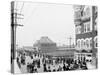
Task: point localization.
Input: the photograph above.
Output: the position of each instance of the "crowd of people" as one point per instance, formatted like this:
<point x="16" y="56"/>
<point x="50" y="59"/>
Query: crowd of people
<point x="36" y="62"/>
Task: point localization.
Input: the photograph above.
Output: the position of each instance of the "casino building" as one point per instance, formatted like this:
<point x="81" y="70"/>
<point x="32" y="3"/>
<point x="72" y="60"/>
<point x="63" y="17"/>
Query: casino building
<point x="85" y="19"/>
<point x="49" y="48"/>
<point x="45" y="45"/>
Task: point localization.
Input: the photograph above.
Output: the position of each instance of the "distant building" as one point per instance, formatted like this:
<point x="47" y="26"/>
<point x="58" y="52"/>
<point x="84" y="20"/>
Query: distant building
<point x="26" y="48"/>
<point x="85" y="19"/>
<point x="49" y="48"/>
<point x="45" y="45"/>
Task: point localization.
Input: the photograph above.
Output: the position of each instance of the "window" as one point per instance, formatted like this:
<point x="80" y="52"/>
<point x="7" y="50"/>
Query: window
<point x="82" y="43"/>
<point x="95" y="42"/>
<point x="86" y="12"/>
<point x="95" y="25"/>
<point x="87" y="27"/>
<point x="77" y="15"/>
<point x="90" y="43"/>
<point x="78" y="29"/>
<point x="78" y="44"/>
<point x="87" y="43"/>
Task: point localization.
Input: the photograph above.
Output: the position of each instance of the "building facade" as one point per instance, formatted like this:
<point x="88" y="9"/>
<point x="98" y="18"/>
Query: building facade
<point x="85" y="19"/>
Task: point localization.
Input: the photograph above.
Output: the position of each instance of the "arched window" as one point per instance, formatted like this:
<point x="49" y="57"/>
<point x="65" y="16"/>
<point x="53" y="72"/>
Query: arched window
<point x="78" y="44"/>
<point x="87" y="43"/>
<point x="90" y="43"/>
<point x="82" y="43"/>
<point x="95" y="42"/>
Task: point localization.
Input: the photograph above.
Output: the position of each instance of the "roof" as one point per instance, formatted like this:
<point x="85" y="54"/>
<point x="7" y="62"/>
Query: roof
<point x="45" y="40"/>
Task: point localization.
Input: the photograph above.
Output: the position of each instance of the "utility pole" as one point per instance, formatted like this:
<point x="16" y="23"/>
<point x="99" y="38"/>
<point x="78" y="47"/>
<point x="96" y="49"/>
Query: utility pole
<point x="14" y="25"/>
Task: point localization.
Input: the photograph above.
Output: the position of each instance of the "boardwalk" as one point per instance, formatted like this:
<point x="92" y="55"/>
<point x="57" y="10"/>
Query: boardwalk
<point x="17" y="70"/>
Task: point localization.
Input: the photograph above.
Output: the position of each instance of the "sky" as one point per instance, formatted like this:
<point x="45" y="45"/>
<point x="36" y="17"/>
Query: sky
<point x="45" y="19"/>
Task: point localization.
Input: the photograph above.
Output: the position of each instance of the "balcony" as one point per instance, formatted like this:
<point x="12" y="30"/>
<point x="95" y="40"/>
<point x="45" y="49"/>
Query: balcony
<point x="77" y="21"/>
<point x="85" y="18"/>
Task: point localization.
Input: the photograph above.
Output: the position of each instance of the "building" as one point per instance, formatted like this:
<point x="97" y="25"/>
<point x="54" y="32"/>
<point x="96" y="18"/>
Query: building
<point x="49" y="48"/>
<point x="45" y="45"/>
<point x="85" y="19"/>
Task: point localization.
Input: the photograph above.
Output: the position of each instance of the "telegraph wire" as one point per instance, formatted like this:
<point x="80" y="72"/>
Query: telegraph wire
<point x="32" y="12"/>
<point x="22" y="7"/>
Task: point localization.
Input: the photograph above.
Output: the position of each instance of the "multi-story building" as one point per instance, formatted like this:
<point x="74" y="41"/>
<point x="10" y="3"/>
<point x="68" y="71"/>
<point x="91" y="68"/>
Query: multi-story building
<point x="85" y="19"/>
